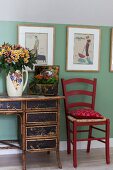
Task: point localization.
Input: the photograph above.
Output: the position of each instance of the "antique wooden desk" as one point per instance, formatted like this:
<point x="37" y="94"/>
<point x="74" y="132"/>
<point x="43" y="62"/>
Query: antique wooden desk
<point x="39" y="125"/>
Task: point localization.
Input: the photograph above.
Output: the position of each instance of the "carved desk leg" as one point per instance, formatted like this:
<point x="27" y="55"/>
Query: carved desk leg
<point x="58" y="158"/>
<point x="23" y="139"/>
<point x="57" y="149"/>
<point x="23" y="160"/>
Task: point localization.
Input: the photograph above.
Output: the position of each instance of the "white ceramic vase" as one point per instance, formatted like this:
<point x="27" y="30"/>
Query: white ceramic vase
<point x="14" y="83"/>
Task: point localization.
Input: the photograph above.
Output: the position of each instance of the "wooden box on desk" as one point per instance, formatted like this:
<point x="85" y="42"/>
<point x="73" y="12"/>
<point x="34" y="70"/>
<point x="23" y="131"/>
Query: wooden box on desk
<point x="43" y="89"/>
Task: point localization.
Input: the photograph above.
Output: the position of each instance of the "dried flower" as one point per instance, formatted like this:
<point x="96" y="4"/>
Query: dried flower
<point x="46" y="75"/>
<point x="15" y="57"/>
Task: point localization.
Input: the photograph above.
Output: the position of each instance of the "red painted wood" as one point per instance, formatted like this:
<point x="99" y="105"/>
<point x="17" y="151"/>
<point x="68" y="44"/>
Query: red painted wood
<point x="107" y="141"/>
<point x="68" y="137"/>
<point x="77" y="104"/>
<point x="79" y="92"/>
<point x="73" y="104"/>
<point x="74" y="145"/>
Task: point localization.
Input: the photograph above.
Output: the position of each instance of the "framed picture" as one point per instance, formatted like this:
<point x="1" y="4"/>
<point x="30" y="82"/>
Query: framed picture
<point x="111" y="58"/>
<point x="40" y="40"/>
<point x="45" y="81"/>
<point x="83" y="49"/>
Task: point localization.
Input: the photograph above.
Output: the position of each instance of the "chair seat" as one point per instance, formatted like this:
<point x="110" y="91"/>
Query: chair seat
<point x="85" y="113"/>
<point x="72" y="119"/>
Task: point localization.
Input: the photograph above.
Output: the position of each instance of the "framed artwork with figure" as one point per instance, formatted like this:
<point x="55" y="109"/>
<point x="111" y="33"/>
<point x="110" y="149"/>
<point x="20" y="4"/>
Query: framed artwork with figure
<point x="40" y="40"/>
<point x="83" y="48"/>
<point x="111" y="57"/>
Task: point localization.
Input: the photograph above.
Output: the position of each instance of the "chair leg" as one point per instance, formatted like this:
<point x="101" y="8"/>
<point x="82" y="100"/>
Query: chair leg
<point x="107" y="141"/>
<point x="89" y="141"/>
<point x="74" y="144"/>
<point x="68" y="137"/>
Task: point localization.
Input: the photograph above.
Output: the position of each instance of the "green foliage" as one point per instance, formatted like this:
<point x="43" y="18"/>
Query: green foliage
<point x="46" y="75"/>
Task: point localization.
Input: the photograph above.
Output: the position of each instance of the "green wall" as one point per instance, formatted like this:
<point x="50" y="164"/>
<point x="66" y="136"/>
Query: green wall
<point x="104" y="98"/>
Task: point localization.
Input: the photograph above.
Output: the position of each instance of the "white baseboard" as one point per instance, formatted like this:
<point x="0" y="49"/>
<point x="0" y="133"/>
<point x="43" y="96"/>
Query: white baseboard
<point x="83" y="145"/>
<point x="63" y="146"/>
<point x="9" y="151"/>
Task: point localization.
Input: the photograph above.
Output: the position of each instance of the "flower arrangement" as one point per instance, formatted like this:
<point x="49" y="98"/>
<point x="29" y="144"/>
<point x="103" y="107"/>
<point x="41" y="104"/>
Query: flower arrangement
<point x="15" y="57"/>
<point x="46" y="75"/>
<point x="45" y="80"/>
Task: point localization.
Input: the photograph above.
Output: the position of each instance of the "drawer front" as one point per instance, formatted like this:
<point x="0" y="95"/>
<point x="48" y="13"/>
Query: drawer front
<point x="42" y="104"/>
<point x="41" y="131"/>
<point x="35" y="145"/>
<point x="13" y="105"/>
<point x="41" y="117"/>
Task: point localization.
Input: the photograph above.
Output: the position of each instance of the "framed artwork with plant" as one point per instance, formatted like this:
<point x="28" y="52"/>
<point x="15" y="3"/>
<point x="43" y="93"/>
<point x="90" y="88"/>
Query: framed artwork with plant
<point x="45" y="80"/>
<point x="39" y="40"/>
<point x="83" y="48"/>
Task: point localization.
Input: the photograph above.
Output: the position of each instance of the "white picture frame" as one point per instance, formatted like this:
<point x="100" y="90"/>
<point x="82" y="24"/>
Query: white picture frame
<point x="83" y="49"/>
<point x="40" y="40"/>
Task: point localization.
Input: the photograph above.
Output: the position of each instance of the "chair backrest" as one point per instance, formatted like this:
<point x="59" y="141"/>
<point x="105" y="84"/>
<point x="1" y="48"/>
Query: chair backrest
<point x="79" y="92"/>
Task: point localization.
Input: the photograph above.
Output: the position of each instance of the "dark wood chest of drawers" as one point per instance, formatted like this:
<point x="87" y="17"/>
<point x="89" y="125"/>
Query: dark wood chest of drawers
<point x="39" y="122"/>
<point x="42" y="127"/>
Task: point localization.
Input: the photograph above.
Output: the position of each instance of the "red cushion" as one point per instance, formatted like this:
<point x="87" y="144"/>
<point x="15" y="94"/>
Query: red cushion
<point x="85" y="114"/>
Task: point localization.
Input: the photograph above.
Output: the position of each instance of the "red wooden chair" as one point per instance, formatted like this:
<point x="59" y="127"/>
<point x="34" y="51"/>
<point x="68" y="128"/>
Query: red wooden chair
<point x="81" y="113"/>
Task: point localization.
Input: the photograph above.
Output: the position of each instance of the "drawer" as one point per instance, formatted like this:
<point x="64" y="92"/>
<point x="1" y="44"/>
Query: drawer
<point x="41" y="131"/>
<point x="12" y="105"/>
<point x="35" y="145"/>
<point x="41" y="104"/>
<point x="41" y="117"/>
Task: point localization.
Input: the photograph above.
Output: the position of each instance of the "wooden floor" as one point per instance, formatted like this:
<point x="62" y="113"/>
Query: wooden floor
<point x="95" y="160"/>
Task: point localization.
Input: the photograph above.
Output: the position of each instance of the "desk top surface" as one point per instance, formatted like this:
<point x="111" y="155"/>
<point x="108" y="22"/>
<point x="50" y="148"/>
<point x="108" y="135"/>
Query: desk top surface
<point x="29" y="98"/>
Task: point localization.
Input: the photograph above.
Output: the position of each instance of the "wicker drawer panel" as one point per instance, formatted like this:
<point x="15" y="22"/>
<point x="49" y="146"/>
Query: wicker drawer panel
<point x="32" y="145"/>
<point x="41" y="117"/>
<point x="42" y="104"/>
<point x="41" y="131"/>
<point x="12" y="105"/>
